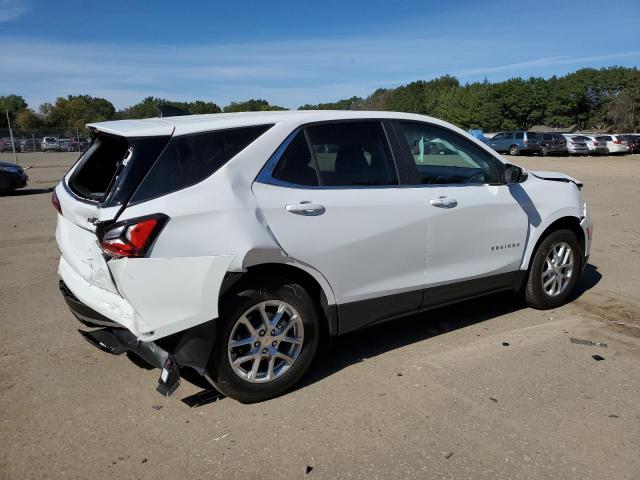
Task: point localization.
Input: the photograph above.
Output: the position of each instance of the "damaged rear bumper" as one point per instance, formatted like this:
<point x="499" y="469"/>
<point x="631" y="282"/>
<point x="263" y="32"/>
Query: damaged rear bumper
<point x="189" y="348"/>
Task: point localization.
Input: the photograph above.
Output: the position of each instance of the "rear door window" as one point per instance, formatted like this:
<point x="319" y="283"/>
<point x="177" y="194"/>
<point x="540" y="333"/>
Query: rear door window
<point x="352" y="154"/>
<point x="519" y="135"/>
<point x="296" y="164"/>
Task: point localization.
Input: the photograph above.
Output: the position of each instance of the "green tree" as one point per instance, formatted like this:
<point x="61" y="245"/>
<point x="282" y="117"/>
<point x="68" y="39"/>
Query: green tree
<point x="74" y="112"/>
<point x="27" y="119"/>
<point x="253" y="105"/>
<point x="13" y="104"/>
<point x="148" y="108"/>
<point x="421" y="97"/>
<point x="353" y="103"/>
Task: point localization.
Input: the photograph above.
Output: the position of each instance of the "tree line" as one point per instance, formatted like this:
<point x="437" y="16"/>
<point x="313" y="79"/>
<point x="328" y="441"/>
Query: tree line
<point x="607" y="98"/>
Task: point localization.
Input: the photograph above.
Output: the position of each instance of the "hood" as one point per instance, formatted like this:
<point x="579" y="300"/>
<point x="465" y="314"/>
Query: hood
<point x="555" y="177"/>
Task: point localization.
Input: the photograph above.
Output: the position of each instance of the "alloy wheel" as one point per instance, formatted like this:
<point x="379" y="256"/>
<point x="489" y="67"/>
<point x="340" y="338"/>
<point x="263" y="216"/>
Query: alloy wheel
<point x="265" y="341"/>
<point x="557" y="269"/>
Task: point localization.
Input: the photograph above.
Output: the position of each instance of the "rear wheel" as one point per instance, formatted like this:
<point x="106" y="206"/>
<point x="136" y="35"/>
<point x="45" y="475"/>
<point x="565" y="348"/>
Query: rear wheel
<point x="268" y="334"/>
<point x="514" y="150"/>
<point x="554" y="270"/>
<point x="544" y="151"/>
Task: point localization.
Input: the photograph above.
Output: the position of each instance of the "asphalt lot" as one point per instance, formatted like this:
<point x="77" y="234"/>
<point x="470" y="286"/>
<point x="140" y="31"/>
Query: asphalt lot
<point x="485" y="389"/>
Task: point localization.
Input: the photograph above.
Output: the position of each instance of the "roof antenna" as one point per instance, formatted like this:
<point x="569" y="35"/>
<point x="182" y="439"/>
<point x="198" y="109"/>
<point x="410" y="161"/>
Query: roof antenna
<point x="171" y="111"/>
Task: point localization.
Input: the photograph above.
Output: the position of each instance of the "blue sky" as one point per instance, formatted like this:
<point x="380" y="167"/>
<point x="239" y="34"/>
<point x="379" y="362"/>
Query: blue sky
<point x="292" y="53"/>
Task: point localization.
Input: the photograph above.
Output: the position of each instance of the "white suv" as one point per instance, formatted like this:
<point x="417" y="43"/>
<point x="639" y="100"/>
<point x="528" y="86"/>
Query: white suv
<point x="233" y="243"/>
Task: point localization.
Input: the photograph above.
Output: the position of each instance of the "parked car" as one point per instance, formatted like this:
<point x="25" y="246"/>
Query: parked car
<point x="633" y="142"/>
<point x="50" y="144"/>
<point x="615" y="143"/>
<point x="515" y="143"/>
<point x="576" y="146"/>
<point x="233" y="244"/>
<point x="594" y="146"/>
<point x="78" y="144"/>
<point x="64" y="144"/>
<point x="552" y="143"/>
<point x="12" y="176"/>
<point x="5" y="145"/>
<point x="30" y="145"/>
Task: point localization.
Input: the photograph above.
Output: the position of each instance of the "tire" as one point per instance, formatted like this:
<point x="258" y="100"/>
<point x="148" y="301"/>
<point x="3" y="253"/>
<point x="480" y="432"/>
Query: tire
<point x="514" y="150"/>
<point x="544" y="151"/>
<point x="536" y="295"/>
<point x="246" y="303"/>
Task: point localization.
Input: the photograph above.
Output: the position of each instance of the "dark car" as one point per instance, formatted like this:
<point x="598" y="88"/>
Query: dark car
<point x="5" y="145"/>
<point x="12" y="176"/>
<point x="553" y="144"/>
<point x="30" y="145"/>
<point x="515" y="143"/>
<point x="78" y="144"/>
<point x="633" y="142"/>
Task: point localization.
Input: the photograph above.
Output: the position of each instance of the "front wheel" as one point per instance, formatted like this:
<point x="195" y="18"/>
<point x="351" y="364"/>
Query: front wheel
<point x="267" y="337"/>
<point x="554" y="270"/>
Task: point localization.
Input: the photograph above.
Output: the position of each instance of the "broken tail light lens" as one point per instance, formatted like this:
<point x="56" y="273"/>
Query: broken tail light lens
<point x="133" y="237"/>
<point x="56" y="202"/>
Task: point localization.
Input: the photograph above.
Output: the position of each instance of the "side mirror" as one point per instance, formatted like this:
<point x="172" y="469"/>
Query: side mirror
<point x="514" y="174"/>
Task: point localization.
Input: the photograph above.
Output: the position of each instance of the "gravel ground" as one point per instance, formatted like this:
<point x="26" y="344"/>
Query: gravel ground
<point x="484" y="389"/>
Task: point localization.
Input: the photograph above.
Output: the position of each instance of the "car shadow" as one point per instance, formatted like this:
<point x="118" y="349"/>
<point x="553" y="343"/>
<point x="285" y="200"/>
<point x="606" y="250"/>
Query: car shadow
<point x="27" y="191"/>
<point x="376" y="340"/>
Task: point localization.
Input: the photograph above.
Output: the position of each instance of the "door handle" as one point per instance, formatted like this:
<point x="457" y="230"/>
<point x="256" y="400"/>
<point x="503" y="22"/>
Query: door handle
<point x="443" y="202"/>
<point x="307" y="209"/>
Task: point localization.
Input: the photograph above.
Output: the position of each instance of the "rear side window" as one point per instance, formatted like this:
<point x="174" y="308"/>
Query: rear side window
<point x="547" y="136"/>
<point x="189" y="159"/>
<point x="519" y="135"/>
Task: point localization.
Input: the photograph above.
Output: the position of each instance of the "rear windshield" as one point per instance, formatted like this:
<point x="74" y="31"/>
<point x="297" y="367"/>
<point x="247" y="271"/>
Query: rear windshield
<point x="189" y="159"/>
<point x="116" y="170"/>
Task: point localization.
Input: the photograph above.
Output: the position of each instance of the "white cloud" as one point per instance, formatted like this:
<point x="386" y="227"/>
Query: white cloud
<point x="11" y="10"/>
<point x="287" y="73"/>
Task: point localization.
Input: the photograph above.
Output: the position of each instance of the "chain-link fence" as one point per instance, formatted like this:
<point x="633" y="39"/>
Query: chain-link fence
<point x="43" y="140"/>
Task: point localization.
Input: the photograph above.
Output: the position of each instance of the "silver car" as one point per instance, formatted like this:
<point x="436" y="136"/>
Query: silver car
<point x="575" y="146"/>
<point x="595" y="146"/>
<point x="50" y="144"/>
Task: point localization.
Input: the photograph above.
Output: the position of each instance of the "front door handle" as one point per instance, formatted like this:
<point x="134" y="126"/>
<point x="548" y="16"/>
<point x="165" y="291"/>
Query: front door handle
<point x="443" y="202"/>
<point x="307" y="209"/>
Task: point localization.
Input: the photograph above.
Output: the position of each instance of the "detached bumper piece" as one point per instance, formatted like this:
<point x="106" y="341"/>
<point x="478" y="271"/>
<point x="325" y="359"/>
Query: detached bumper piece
<point x="120" y="340"/>
<point x="189" y="348"/>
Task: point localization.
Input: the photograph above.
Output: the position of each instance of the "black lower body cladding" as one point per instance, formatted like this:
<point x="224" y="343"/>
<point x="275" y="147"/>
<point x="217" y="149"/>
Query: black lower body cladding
<point x="189" y="348"/>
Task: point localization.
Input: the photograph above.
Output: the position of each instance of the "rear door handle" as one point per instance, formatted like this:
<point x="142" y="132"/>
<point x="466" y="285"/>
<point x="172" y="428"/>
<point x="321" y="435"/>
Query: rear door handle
<point x="307" y="209"/>
<point x="443" y="202"/>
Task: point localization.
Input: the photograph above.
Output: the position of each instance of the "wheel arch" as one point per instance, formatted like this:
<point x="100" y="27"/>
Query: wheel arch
<point x="566" y="222"/>
<point x="312" y="281"/>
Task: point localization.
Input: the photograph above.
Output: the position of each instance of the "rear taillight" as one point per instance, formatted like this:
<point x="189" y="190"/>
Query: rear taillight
<point x="132" y="238"/>
<point x="617" y="142"/>
<point x="56" y="202"/>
